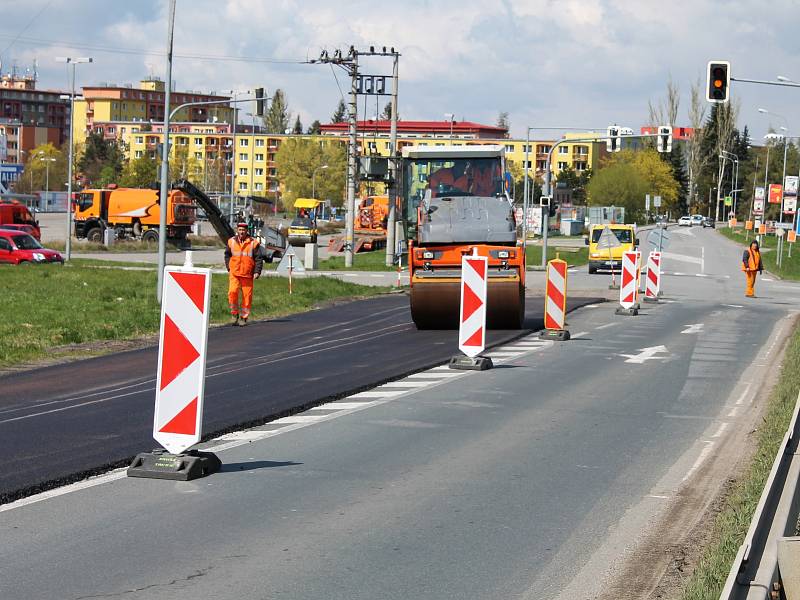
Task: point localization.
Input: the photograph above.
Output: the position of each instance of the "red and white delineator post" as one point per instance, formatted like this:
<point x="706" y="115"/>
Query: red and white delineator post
<point x="472" y="315"/>
<point x="555" y="301"/>
<point x="652" y="285"/>
<point x="628" y="289"/>
<point x="180" y="379"/>
<point x="638" y="276"/>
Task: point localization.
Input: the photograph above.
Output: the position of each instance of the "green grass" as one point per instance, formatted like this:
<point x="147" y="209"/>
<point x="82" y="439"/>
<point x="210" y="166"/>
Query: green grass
<point x="733" y="521"/>
<point x="49" y="306"/>
<point x="575" y="256"/>
<point x="791" y="266"/>
<point x="362" y="261"/>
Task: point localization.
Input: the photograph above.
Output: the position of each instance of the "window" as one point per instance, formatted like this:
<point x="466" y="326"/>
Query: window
<point x="198" y="141"/>
<point x="580" y="165"/>
<point x="242" y="171"/>
<point x="259" y="142"/>
<point x="258" y="187"/>
<point x="244" y="156"/>
<point x="509" y="147"/>
<point x="259" y="172"/>
<point x="259" y="157"/>
<point x="244" y="142"/>
<point x="242" y="186"/>
<point x="198" y="155"/>
<point x="562" y="165"/>
<point x="563" y="150"/>
<point x="138" y="154"/>
<point x="582" y="150"/>
<point x="543" y="149"/>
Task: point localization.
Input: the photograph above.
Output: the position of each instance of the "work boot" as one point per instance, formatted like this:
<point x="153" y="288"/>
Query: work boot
<point x="243" y="322"/>
<point x="235" y="320"/>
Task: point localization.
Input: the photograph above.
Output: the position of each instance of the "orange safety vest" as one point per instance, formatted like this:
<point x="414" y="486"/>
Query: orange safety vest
<point x="753" y="260"/>
<point x="242" y="263"/>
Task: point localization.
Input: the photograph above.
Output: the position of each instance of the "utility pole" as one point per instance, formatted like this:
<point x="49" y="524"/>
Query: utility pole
<point x="162" y="226"/>
<point x="391" y="242"/>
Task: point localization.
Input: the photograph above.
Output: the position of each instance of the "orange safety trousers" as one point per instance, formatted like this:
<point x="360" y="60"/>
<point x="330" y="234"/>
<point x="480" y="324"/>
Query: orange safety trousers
<point x="751" y="283"/>
<point x="235" y="284"/>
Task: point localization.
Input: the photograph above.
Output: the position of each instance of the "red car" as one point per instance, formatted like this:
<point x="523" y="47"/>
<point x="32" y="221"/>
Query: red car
<point x="20" y="248"/>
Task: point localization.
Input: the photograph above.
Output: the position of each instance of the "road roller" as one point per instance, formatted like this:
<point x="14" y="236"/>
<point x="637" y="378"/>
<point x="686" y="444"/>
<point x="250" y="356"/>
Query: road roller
<point x="455" y="202"/>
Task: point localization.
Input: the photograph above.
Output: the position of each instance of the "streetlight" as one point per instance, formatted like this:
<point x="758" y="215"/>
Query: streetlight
<point x="313" y="181"/>
<point x="47" y="161"/>
<point x="71" y="61"/>
<point x="734" y="189"/>
<point x="450" y="117"/>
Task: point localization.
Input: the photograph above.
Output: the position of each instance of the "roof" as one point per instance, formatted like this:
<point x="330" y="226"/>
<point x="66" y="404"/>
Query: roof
<point x="306" y="203"/>
<point x="444" y="127"/>
<point x="480" y="151"/>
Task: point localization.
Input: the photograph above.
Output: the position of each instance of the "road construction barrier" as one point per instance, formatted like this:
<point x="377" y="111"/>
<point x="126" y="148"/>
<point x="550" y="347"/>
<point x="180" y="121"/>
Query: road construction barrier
<point x="653" y="282"/>
<point x="472" y="314"/>
<point x="628" y="289"/>
<point x="555" y="301"/>
<point x="180" y="379"/>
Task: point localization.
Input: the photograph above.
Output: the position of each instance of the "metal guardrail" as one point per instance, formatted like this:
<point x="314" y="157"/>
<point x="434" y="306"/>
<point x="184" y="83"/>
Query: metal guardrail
<point x="755" y="573"/>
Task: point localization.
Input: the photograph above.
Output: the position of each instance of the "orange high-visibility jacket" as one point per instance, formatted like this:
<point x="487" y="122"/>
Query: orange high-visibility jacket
<point x="751" y="261"/>
<point x="243" y="259"/>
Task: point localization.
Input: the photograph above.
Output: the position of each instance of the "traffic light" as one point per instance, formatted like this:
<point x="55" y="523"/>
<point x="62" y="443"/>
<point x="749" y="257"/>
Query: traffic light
<point x="613" y="141"/>
<point x="259" y="92"/>
<point x="718" y="81"/>
<point x="664" y="139"/>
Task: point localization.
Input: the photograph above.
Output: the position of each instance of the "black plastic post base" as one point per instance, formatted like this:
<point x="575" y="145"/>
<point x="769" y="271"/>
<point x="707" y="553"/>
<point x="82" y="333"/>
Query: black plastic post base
<point x="627" y="312"/>
<point x="649" y="299"/>
<point x="466" y="363"/>
<point x="160" y="464"/>
<point x="613" y="286"/>
<point x="559" y="335"/>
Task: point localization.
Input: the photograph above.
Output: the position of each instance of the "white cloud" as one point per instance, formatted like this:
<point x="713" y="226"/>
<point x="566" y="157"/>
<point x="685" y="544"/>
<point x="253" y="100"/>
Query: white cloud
<point x="547" y="62"/>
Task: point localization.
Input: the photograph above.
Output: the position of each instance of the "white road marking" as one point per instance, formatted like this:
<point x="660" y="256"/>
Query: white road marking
<point x="722" y="427"/>
<point x="695" y="328"/>
<point x="247" y="435"/>
<point x="683" y="258"/>
<point x="646" y="354"/>
<point x="606" y="326"/>
<point x="703" y="455"/>
<point x="733" y="412"/>
<point x="592" y="306"/>
<point x="701" y="275"/>
<point x="579" y="334"/>
<point x="295" y="419"/>
<point x="733" y="305"/>
<point x="437" y="375"/>
<point x="376" y="394"/>
<point x="345" y="405"/>
<point x="407" y="384"/>
<point x="504" y="354"/>
<point x="741" y="398"/>
<point x="660" y="497"/>
<point x="767" y="279"/>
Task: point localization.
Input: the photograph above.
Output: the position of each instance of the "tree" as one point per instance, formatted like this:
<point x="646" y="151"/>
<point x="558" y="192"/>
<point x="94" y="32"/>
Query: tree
<point x="140" y="172"/>
<point x="386" y="115"/>
<point x="181" y="165"/>
<point x="45" y="162"/>
<point x="502" y="121"/>
<point x="277" y="118"/>
<point x="577" y="182"/>
<point x="99" y="153"/>
<point x="696" y="159"/>
<point x="339" y="116"/>
<point x="315" y="127"/>
<point x="298" y="126"/>
<point x="296" y="161"/>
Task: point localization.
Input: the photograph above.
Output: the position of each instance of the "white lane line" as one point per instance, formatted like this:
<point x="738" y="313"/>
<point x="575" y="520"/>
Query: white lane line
<point x="504" y="354"/>
<point x="295" y="419"/>
<point x="579" y="334"/>
<point x="377" y="394"/>
<point x="345" y="405"/>
<point x="247" y="435"/>
<point x="701" y="275"/>
<point x="407" y="384"/>
<point x="592" y="306"/>
<point x="437" y="375"/>
<point x="767" y="279"/>
<point x="700" y="459"/>
<point x="722" y="427"/>
<point x="606" y="326"/>
<point x="741" y="398"/>
<point x="659" y="496"/>
<point x="733" y="412"/>
<point x="694" y="328"/>
<point x="67" y="489"/>
<point x="733" y="305"/>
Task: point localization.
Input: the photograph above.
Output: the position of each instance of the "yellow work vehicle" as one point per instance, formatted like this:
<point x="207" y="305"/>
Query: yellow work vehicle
<point x="609" y="259"/>
<point x="303" y="228"/>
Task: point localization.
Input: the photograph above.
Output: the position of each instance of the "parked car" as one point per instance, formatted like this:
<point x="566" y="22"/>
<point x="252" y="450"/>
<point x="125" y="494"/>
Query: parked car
<point x="685" y="221"/>
<point x="19" y="248"/>
<point x="697" y="219"/>
<point x="709" y="222"/>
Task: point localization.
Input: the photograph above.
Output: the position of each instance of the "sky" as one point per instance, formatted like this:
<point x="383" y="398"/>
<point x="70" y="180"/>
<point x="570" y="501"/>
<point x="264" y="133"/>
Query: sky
<point x="566" y="63"/>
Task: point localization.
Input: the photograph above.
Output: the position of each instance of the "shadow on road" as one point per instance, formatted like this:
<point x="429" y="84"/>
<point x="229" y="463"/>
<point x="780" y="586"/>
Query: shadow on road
<point x="256" y="464"/>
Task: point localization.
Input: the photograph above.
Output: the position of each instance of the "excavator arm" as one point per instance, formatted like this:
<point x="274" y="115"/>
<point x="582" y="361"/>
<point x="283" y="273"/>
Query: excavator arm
<point x="213" y="213"/>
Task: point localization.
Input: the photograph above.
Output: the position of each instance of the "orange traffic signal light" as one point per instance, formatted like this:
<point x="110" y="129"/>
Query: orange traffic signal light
<point x="718" y="81"/>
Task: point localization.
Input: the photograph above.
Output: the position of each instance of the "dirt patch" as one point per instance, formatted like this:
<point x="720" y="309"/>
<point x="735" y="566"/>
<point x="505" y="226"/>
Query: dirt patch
<point x="667" y="554"/>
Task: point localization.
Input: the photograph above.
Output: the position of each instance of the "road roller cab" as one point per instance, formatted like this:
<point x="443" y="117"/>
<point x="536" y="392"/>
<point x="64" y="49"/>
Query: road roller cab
<point x="455" y="203"/>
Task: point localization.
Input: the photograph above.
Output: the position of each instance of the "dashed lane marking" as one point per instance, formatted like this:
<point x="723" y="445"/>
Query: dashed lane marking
<point x="700" y="459"/>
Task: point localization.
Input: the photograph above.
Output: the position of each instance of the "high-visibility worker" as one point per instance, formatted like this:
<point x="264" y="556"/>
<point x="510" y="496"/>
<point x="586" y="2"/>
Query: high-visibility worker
<point x="244" y="261"/>
<point x="751" y="264"/>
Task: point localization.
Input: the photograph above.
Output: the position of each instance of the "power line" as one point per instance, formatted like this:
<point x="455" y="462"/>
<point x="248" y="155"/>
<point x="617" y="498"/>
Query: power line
<point x="143" y="52"/>
<point x="24" y="29"/>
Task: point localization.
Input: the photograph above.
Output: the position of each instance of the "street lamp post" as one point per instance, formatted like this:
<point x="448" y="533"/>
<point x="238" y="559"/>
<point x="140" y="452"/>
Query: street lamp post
<point x="47" y="161"/>
<point x="313" y="181"/>
<point x="71" y="61"/>
<point x="785" y="146"/>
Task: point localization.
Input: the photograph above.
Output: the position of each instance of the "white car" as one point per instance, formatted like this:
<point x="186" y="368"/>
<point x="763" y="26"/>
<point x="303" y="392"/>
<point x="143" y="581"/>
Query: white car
<point x="698" y="219"/>
<point x="685" y="220"/>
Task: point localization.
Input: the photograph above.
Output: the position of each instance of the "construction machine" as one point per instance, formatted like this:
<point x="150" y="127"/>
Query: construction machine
<point x="455" y="202"/>
<point x="273" y="243"/>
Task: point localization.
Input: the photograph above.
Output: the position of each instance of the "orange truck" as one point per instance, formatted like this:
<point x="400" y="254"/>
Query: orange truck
<point x="454" y="203"/>
<point x="373" y="212"/>
<point x="132" y="213"/>
<point x="14" y="215"/>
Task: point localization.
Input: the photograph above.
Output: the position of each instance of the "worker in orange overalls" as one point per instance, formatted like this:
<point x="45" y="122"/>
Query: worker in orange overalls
<point x="751" y="264"/>
<point x="244" y="262"/>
